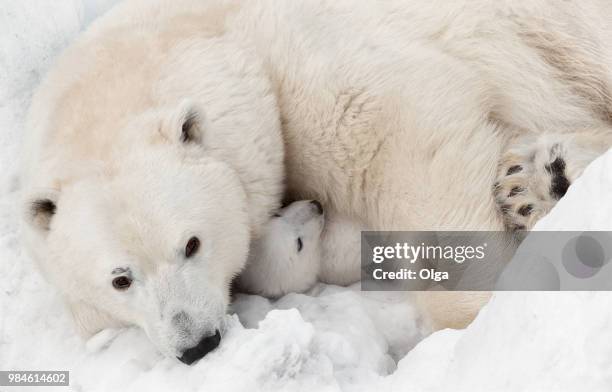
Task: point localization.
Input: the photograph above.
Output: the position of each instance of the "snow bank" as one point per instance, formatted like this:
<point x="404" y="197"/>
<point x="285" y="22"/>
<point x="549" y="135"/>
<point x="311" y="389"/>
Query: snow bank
<point x="331" y="339"/>
<point x="530" y="341"/>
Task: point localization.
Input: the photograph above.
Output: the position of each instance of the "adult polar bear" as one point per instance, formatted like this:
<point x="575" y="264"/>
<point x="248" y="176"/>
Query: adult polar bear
<point x="163" y="138"/>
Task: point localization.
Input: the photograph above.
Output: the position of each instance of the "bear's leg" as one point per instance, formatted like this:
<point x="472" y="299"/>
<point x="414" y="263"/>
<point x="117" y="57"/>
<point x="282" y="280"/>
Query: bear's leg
<point x="536" y="170"/>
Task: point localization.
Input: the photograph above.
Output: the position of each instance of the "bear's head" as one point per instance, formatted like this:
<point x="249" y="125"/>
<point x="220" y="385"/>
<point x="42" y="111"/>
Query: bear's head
<point x="145" y="181"/>
<point x="287" y="257"/>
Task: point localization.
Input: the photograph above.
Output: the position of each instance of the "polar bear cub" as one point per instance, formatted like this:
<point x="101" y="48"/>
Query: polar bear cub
<point x="287" y="257"/>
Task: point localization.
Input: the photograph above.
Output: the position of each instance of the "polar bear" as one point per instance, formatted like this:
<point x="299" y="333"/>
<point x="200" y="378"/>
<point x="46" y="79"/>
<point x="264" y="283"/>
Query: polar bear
<point x="299" y="246"/>
<point x="164" y="138"/>
<point x="287" y="256"/>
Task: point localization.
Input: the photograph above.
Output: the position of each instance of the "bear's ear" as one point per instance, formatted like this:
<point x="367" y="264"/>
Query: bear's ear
<point x="40" y="209"/>
<point x="189" y="123"/>
<point x="89" y="320"/>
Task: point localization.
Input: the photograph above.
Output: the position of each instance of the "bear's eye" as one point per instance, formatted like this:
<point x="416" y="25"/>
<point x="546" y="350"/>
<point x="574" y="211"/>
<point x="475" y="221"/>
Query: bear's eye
<point x="122" y="282"/>
<point x="192" y="247"/>
<point x="300" y="244"/>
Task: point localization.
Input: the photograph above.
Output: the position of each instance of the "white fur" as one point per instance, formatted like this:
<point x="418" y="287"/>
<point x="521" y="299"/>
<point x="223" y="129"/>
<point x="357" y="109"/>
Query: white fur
<point x="393" y="113"/>
<point x="287" y="257"/>
<point x="331" y="252"/>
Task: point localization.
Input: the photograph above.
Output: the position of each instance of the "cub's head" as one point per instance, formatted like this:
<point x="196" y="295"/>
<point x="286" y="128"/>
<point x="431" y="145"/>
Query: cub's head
<point x="146" y="180"/>
<point x="286" y="258"/>
<point x="293" y="235"/>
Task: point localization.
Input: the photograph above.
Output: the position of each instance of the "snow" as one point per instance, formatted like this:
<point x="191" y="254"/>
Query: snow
<point x="329" y="339"/>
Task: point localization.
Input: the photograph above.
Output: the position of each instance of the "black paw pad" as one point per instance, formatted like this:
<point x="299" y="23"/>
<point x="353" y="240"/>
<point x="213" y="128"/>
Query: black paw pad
<point x="515" y="191"/>
<point x="556" y="167"/>
<point x="526" y="210"/>
<point x="559" y="183"/>
<point x="514" y="169"/>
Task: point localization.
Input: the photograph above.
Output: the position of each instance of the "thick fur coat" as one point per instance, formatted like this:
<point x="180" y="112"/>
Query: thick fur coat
<point x="170" y="119"/>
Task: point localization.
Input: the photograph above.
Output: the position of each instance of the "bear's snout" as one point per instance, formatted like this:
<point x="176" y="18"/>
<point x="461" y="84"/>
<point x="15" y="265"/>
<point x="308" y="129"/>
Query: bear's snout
<point x="206" y="345"/>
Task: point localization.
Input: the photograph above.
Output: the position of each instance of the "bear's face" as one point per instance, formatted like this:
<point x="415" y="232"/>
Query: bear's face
<point x="293" y="235"/>
<point x="151" y="247"/>
<point x="287" y="257"/>
<point x="153" y="241"/>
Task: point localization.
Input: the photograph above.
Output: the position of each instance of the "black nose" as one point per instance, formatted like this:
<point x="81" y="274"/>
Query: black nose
<point x="318" y="206"/>
<point x="206" y="345"/>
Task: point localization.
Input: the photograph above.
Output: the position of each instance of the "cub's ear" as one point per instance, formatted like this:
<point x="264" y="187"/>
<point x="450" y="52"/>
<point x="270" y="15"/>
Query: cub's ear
<point x="40" y="209"/>
<point x="189" y="123"/>
<point x="89" y="320"/>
